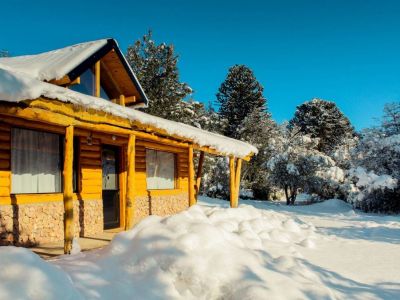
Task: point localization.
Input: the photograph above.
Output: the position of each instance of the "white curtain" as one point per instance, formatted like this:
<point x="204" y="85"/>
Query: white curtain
<point x="35" y="162"/>
<point x="160" y="169"/>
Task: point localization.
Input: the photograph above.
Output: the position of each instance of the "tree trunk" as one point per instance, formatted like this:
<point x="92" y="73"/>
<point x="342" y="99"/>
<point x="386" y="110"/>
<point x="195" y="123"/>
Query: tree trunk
<point x="293" y="196"/>
<point x="287" y="195"/>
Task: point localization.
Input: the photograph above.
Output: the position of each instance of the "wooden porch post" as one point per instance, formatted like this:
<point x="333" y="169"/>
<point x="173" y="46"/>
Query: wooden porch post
<point x="232" y="181"/>
<point x="192" y="198"/>
<point x="238" y="168"/>
<point x="68" y="189"/>
<point x="130" y="182"/>
<point x="198" y="174"/>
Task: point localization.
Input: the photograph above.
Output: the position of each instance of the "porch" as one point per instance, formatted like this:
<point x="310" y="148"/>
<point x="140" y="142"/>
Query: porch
<point x="89" y="242"/>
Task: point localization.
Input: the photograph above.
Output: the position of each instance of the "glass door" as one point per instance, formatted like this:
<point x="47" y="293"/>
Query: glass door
<point x="111" y="201"/>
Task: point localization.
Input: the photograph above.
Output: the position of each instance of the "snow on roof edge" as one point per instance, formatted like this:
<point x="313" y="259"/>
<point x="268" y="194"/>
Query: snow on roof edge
<point x="53" y="64"/>
<point x="18" y="86"/>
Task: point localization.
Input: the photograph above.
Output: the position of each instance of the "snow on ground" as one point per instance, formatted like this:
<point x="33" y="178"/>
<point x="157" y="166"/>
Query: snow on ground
<point x="258" y="251"/>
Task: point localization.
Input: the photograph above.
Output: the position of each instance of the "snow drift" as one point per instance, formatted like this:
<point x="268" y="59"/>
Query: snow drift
<point x="211" y="252"/>
<point x="202" y="253"/>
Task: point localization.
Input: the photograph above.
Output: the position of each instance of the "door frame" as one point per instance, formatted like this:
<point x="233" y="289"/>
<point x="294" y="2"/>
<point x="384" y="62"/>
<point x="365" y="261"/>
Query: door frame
<point x="121" y="173"/>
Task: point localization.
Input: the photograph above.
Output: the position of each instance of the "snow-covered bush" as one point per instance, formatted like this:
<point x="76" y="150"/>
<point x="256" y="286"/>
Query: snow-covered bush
<point x="375" y="177"/>
<point x="298" y="166"/>
<point x="373" y="193"/>
<point x="215" y="182"/>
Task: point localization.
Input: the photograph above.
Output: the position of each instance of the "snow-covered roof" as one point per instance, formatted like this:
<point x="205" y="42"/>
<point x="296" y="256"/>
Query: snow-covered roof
<point x="69" y="61"/>
<point x="53" y="64"/>
<point x="17" y="86"/>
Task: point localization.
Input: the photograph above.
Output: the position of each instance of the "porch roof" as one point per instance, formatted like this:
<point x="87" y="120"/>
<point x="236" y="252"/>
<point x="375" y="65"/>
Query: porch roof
<point x="16" y="86"/>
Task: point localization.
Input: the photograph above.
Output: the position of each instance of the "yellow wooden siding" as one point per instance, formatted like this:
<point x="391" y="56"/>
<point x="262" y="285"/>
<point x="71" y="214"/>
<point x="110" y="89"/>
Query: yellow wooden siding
<point x="181" y="184"/>
<point x="5" y="162"/>
<point x="90" y="169"/>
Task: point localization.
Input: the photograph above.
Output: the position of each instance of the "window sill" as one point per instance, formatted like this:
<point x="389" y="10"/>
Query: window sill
<point x="36" y="198"/>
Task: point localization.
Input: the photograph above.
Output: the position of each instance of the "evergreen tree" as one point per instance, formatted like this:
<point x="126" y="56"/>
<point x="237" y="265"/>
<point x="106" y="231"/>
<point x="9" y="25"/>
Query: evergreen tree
<point x="244" y="113"/>
<point x="323" y="120"/>
<point x="4" y="53"/>
<point x="238" y="96"/>
<point x="157" y="71"/>
<point x="391" y="118"/>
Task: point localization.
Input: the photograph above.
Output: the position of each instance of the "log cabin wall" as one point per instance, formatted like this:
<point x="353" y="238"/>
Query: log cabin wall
<point x="30" y="219"/>
<point x="160" y="202"/>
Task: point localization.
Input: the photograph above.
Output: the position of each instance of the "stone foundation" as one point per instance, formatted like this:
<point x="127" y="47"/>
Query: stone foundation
<point x="32" y="224"/>
<point x="160" y="205"/>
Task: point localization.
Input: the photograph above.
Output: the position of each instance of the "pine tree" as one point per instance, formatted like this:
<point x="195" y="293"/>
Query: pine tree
<point x="238" y="96"/>
<point x="323" y="120"/>
<point x="243" y="110"/>
<point x="157" y="71"/>
<point x="4" y="53"/>
<point x="391" y="118"/>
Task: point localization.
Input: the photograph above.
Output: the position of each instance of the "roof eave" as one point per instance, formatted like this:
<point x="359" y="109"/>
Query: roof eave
<point x="91" y="60"/>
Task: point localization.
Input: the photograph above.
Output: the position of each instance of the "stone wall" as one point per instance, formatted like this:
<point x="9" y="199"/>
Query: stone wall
<point x="159" y="205"/>
<point x="35" y="223"/>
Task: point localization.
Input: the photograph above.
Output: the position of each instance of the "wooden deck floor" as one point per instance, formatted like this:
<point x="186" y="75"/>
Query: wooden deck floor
<point x="51" y="250"/>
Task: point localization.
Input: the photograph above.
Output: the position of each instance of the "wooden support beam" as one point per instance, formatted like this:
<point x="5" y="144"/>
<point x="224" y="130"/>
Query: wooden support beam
<point x="131" y="99"/>
<point x="68" y="189"/>
<point x="198" y="174"/>
<point x="232" y="181"/>
<point x="97" y="79"/>
<point x="62" y="81"/>
<point x="130" y="182"/>
<point x="192" y="198"/>
<point x="238" y="169"/>
<point x="63" y="114"/>
<point x="122" y="100"/>
<point x="76" y="81"/>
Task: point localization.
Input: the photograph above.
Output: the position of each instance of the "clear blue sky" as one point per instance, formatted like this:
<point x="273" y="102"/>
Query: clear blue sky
<point x="344" y="51"/>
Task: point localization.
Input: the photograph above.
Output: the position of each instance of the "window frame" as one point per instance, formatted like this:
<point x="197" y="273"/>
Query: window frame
<point x="175" y="156"/>
<point x="61" y="139"/>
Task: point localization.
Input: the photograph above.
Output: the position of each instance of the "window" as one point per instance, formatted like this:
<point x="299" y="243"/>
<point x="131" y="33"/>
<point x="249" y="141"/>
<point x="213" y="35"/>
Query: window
<point x="75" y="169"/>
<point x="87" y="85"/>
<point x="160" y="168"/>
<point x="35" y="162"/>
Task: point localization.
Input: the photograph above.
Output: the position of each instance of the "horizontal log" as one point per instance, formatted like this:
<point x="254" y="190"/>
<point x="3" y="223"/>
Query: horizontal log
<point x="63" y="114"/>
<point x="5" y="174"/>
<point x="5" y="182"/>
<point x="91" y="189"/>
<point x="92" y="182"/>
<point x="4" y="155"/>
<point x="160" y="147"/>
<point x="4" y="127"/>
<point x="5" y="138"/>
<point x="91" y="176"/>
<point x="4" y="164"/>
<point x="90" y="154"/>
<point x="4" y="192"/>
<point x="91" y="169"/>
<point x="5" y="146"/>
<point x="86" y="147"/>
<point x="90" y="162"/>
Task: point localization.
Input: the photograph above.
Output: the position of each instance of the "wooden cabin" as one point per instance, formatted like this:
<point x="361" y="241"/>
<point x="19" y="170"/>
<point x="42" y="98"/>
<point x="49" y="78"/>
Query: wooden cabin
<point x="77" y="157"/>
